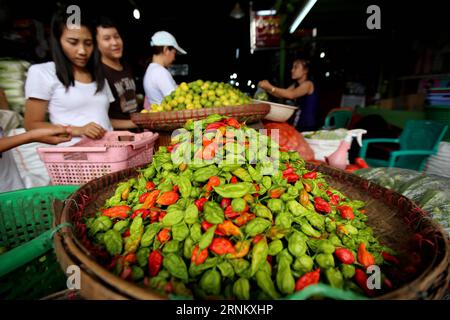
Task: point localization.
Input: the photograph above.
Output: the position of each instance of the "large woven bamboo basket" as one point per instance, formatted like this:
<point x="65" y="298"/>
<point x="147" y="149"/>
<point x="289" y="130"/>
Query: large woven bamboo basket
<point x="171" y="120"/>
<point x="396" y="221"/>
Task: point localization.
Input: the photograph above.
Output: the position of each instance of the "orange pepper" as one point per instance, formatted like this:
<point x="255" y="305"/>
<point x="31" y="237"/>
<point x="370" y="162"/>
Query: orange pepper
<point x="167" y="198"/>
<point x="150" y="200"/>
<point x="228" y="228"/>
<point x="364" y="256"/>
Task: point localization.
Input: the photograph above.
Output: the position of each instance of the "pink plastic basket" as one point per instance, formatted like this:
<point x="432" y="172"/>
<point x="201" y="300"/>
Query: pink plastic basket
<point x="90" y="159"/>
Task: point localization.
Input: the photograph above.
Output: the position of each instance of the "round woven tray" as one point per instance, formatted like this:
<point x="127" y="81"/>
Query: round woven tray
<point x="396" y="221"/>
<point x="171" y="120"/>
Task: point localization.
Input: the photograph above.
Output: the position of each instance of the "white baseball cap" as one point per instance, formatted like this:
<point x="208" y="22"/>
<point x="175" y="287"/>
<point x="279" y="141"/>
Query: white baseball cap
<point x="163" y="38"/>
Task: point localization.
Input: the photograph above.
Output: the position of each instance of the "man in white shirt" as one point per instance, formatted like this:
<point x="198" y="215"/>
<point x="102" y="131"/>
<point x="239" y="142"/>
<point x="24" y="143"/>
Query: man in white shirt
<point x="158" y="82"/>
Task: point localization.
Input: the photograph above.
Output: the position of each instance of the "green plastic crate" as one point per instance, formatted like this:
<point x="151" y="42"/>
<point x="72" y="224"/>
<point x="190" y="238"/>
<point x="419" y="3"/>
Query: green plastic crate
<point x="26" y="215"/>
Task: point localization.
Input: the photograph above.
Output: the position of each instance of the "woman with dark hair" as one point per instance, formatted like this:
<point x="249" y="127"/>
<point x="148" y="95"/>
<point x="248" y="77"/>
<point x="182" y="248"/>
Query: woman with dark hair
<point x="72" y="87"/>
<point x="303" y="91"/>
<point x="158" y="82"/>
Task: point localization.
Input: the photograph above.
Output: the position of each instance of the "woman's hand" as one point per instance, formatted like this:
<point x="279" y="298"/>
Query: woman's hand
<point x="264" y="84"/>
<point x="91" y="130"/>
<point x="54" y="135"/>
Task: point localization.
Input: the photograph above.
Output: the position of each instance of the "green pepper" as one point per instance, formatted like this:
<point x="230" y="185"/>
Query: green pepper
<point x="296" y="208"/>
<point x="275" y="247"/>
<point x="283" y="220"/>
<point x="240" y="266"/>
<point x="330" y="225"/>
<point x="196" y="270"/>
<point x="237" y="190"/>
<point x="334" y="239"/>
<point x="207" y="238"/>
<point x="136" y="232"/>
<point x="100" y="224"/>
<point x="303" y="264"/>
<point x="121" y="226"/>
<point x="149" y="172"/>
<point x="213" y="212"/>
<point x="99" y="238"/>
<point x="180" y="231"/>
<point x="275" y="205"/>
<point x="316" y="220"/>
<point x="242" y="174"/>
<point x="191" y="214"/>
<point x="267" y="182"/>
<point x="255" y="174"/>
<point x="165" y="186"/>
<point x="176" y="266"/>
<point x="185" y="186"/>
<point x="309" y="230"/>
<point x="142" y="256"/>
<point x="113" y="242"/>
<point x="180" y="289"/>
<point x="325" y="246"/>
<point x="291" y="194"/>
<point x="241" y="289"/>
<point x="203" y="174"/>
<point x="348" y="270"/>
<point x="188" y="247"/>
<point x="226" y="269"/>
<point x="238" y="205"/>
<point x="296" y="245"/>
<point x="196" y="232"/>
<point x="171" y="246"/>
<point x="262" y="211"/>
<point x="277" y="233"/>
<point x="334" y="277"/>
<point x="211" y="282"/>
<point x="285" y="279"/>
<point x="150" y="233"/>
<point x="173" y="216"/>
<point x="257" y="226"/>
<point x="265" y="283"/>
<point x="260" y="252"/>
<point x="213" y="118"/>
<point x="294" y="156"/>
<point x="137" y="273"/>
<point x="325" y="260"/>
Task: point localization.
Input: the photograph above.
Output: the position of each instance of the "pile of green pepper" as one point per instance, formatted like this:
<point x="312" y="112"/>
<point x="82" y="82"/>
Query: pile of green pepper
<point x="243" y="230"/>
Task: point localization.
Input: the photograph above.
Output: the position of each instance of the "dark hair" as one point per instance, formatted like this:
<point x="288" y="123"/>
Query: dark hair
<point x="64" y="69"/>
<point x="159" y="49"/>
<point x="306" y="63"/>
<point x="105" y="22"/>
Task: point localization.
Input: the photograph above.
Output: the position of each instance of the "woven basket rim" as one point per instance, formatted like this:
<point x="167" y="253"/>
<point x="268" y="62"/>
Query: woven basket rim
<point x="426" y="277"/>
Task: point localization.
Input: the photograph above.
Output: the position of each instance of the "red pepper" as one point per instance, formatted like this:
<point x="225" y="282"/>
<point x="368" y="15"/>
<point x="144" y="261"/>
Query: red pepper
<point x="321" y="205"/>
<point x="307" y="279"/>
<point x="233" y="180"/>
<point x="288" y="171"/>
<point x="161" y="216"/>
<point x="200" y="203"/>
<point x="360" y="162"/>
<point x="210" y="151"/>
<point x="346" y="212"/>
<point x="364" y="257"/>
<point x="292" y="178"/>
<point x="310" y="175"/>
<point x="154" y="214"/>
<point x="361" y="280"/>
<point x="221" y="246"/>
<point x="257" y="238"/>
<point x="244" y="218"/>
<point x="130" y="258"/>
<point x="198" y="257"/>
<point x="276" y="193"/>
<point x="149" y="186"/>
<point x="390" y="258"/>
<point x="126" y="233"/>
<point x="126" y="273"/>
<point x="155" y="260"/>
<point x="215" y="125"/>
<point x="344" y="255"/>
<point x="230" y="214"/>
<point x="228" y="228"/>
<point x="335" y="199"/>
<point x="175" y="189"/>
<point x="167" y="198"/>
<point x="206" y="225"/>
<point x="139" y="212"/>
<point x="225" y="203"/>
<point x="164" y="235"/>
<point x="169" y="287"/>
<point x="150" y="200"/>
<point x="170" y="148"/>
<point x="214" y="181"/>
<point x="233" y="123"/>
<point x="388" y="283"/>
<point x="120" y="212"/>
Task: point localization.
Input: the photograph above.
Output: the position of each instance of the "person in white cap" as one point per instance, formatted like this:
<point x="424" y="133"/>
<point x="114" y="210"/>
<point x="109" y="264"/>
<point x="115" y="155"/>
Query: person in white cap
<point x="158" y="82"/>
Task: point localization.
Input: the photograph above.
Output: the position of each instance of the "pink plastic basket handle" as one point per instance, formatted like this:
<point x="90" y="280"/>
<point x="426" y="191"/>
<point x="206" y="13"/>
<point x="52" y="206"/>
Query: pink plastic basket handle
<point x="142" y="143"/>
<point x="71" y="149"/>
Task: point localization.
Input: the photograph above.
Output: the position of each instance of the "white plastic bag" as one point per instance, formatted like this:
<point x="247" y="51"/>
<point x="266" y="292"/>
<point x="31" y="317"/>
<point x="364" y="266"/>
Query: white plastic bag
<point x="324" y="142"/>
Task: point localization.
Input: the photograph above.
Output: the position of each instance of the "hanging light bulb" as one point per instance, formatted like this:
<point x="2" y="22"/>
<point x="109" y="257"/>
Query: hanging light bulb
<point x="136" y="14"/>
<point x="237" y="12"/>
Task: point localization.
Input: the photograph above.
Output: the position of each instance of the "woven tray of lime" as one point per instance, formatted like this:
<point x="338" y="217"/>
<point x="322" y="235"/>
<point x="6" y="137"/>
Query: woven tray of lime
<point x="228" y="214"/>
